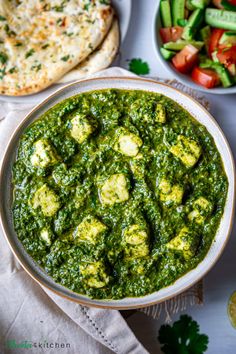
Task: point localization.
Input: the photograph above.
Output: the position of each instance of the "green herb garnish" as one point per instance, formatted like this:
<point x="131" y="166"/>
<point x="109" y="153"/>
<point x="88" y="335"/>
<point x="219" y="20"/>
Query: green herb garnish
<point x="183" y="337"/>
<point x="139" y="67"/>
<point x="29" y="53"/>
<point x="3" y="58"/>
<point x="36" y="67"/>
<point x="13" y="70"/>
<point x="65" y="58"/>
<point x="2" y="18"/>
<point x="45" y="46"/>
<point x="8" y="31"/>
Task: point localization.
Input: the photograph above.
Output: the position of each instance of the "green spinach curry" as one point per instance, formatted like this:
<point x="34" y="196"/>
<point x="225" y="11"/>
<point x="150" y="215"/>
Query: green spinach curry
<point x="117" y="193"/>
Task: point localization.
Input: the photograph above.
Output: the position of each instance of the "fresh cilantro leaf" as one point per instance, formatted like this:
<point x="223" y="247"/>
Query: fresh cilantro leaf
<point x="139" y="67"/>
<point x="2" y="18"/>
<point x="183" y="337"/>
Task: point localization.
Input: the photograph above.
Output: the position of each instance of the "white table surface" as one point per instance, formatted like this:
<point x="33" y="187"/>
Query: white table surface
<point x="221" y="280"/>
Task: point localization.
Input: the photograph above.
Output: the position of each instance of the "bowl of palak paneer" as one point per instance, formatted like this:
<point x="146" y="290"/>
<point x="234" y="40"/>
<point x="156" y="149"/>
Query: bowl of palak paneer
<point x="118" y="192"/>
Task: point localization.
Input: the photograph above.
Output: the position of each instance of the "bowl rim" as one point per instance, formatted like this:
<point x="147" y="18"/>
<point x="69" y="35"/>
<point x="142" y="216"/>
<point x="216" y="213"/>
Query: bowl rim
<point x="105" y="303"/>
<point x="177" y="75"/>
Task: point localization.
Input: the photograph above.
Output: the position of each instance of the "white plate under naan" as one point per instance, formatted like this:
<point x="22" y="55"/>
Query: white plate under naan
<point x="123" y="10"/>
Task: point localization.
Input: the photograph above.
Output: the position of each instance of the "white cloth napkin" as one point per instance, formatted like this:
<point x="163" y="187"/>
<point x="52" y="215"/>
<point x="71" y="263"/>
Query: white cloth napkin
<point x="31" y="315"/>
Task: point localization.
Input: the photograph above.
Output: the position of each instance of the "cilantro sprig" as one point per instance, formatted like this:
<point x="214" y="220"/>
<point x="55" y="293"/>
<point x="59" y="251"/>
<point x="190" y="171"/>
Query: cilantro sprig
<point x="139" y="67"/>
<point x="183" y="337"/>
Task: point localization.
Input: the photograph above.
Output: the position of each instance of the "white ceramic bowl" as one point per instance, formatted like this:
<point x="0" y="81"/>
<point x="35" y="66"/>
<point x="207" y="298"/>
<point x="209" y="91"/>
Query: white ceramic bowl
<point x="197" y="111"/>
<point x="185" y="79"/>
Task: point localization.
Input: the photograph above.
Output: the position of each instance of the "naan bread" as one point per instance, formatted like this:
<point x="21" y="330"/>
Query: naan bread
<point x="41" y="40"/>
<point x="100" y="59"/>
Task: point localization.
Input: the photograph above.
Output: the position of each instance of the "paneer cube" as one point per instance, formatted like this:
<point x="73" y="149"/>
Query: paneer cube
<point x="127" y="143"/>
<point x="135" y="242"/>
<point x="187" y="150"/>
<point x="89" y="230"/>
<point x="47" y="200"/>
<point x="82" y="128"/>
<point x="43" y="154"/>
<point x="135" y="235"/>
<point x="185" y="242"/>
<point x="160" y="115"/>
<point x="170" y="194"/>
<point x="114" y="190"/>
<point x="202" y="207"/>
<point x="203" y="204"/>
<point x="46" y="236"/>
<point x="94" y="274"/>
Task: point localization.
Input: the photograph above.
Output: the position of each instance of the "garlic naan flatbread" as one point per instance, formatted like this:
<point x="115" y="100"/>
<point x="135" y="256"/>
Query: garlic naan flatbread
<point x="41" y="40"/>
<point x="100" y="59"/>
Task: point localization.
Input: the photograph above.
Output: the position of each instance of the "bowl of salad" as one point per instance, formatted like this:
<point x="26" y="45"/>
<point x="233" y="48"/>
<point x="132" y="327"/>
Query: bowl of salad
<point x="196" y="42"/>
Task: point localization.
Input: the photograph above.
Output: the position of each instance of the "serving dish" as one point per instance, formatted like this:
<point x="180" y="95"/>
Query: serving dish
<point x="197" y="111"/>
<point x="184" y="78"/>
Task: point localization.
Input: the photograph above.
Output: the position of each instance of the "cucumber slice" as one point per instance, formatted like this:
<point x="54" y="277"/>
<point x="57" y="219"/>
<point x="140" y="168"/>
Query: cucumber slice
<point x="177" y="11"/>
<point x="165" y="13"/>
<point x="206" y="34"/>
<point x="200" y="4"/>
<point x="189" y="5"/>
<point x="182" y="23"/>
<point x="194" y="22"/>
<point x="167" y="54"/>
<point x="221" y="19"/>
<point x="179" y="45"/>
<point x="223" y="73"/>
<point x="214" y="56"/>
<point x="228" y="38"/>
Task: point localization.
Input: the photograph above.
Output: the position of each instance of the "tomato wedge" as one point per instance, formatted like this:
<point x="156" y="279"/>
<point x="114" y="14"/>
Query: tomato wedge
<point x="171" y="34"/>
<point x="185" y="60"/>
<point x="227" y="56"/>
<point x="205" y="77"/>
<point x="219" y="5"/>
<point x="216" y="34"/>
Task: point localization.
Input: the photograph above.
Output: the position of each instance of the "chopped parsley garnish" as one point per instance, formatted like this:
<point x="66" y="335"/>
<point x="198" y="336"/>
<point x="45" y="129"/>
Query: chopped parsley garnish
<point x="3" y="58"/>
<point x="69" y="34"/>
<point x="139" y="67"/>
<point x="45" y="46"/>
<point x="19" y="44"/>
<point x="65" y="58"/>
<point x="2" y="18"/>
<point x="13" y="70"/>
<point x="86" y="6"/>
<point x="183" y="337"/>
<point x="2" y="73"/>
<point x="36" y="67"/>
<point x="105" y="2"/>
<point x="8" y="31"/>
<point x="61" y="22"/>
<point x="29" y="53"/>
